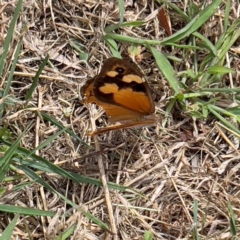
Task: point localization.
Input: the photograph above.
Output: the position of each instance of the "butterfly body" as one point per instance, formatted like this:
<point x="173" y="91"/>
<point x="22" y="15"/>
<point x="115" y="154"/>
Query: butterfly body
<point x="121" y="91"/>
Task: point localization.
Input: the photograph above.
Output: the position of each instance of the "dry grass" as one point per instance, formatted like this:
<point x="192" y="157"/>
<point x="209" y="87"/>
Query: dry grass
<point x="166" y="169"/>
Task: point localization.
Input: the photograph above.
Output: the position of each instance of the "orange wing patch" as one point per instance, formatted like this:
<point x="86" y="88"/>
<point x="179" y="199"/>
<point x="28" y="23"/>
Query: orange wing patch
<point x="112" y="73"/>
<point x="132" y="78"/>
<point x="127" y="98"/>
<point x="114" y="112"/>
<point x="136" y="101"/>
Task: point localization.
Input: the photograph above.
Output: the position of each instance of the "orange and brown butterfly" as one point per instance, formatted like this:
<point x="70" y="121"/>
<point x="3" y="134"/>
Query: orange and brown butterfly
<point x="123" y="93"/>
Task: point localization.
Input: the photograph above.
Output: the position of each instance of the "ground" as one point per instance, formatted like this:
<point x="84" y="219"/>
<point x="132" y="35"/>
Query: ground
<point x="177" y="179"/>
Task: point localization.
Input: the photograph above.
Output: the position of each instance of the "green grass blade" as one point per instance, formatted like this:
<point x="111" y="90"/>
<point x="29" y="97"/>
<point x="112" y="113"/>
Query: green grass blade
<point x="196" y="94"/>
<point x="147" y="235"/>
<point x="44" y="165"/>
<point x="219" y="70"/>
<point x="81" y="50"/>
<point x="25" y="211"/>
<point x="47" y="142"/>
<point x="224" y="90"/>
<point x="195" y="220"/>
<point x="32" y="175"/>
<point x="166" y="68"/>
<point x="132" y="24"/>
<point x="113" y="27"/>
<point x="214" y="110"/>
<point x="47" y="166"/>
<point x="5" y="160"/>
<point x="7" y="233"/>
<point x="67" y="233"/>
<point x="121" y="17"/>
<point x="128" y="39"/>
<point x="173" y="6"/>
<point x="226" y="15"/>
<point x="39" y="163"/>
<point x="121" y="10"/>
<point x="8" y="38"/>
<point x="168" y="110"/>
<point x="95" y="220"/>
<point x="188" y="47"/>
<point x="191" y="27"/>
<point x="113" y="47"/>
<point x="35" y="79"/>
<point x="195" y="211"/>
<point x="196" y="22"/>
<point x="60" y="126"/>
<point x="39" y="180"/>
<point x="223" y="45"/>
<point x="208" y="44"/>
<point x="96" y="182"/>
<point x="9" y="80"/>
<point x="232" y="34"/>
<point x="232" y="220"/>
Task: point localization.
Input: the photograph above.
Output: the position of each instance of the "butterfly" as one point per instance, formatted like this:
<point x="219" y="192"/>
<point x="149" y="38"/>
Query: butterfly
<point x="123" y="93"/>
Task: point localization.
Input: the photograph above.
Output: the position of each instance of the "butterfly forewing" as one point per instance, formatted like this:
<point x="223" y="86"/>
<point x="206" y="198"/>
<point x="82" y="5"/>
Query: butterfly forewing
<point x="120" y="83"/>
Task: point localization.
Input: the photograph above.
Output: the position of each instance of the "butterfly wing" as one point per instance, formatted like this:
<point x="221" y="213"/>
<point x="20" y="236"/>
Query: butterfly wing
<point x="120" y="84"/>
<point x="120" y="90"/>
<point x="114" y="112"/>
<point x="123" y="126"/>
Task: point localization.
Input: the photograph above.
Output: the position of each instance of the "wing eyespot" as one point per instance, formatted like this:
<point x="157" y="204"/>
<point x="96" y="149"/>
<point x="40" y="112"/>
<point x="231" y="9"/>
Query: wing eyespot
<point x="119" y="70"/>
